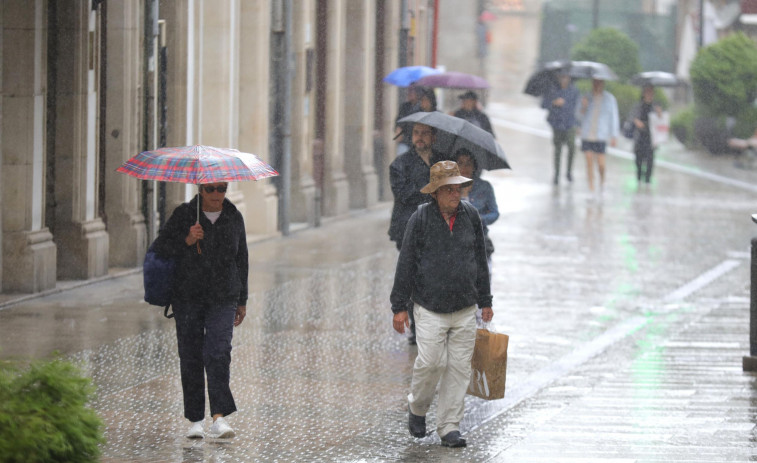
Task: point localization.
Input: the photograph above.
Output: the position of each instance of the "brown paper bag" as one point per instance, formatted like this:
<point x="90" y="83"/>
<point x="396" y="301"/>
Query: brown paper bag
<point x="489" y="365"/>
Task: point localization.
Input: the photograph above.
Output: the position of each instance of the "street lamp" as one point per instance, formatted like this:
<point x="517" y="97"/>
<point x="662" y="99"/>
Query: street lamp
<point x="749" y="362"/>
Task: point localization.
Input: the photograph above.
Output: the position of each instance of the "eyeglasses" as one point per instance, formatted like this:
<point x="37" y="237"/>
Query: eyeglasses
<point x="450" y="189"/>
<point x="212" y="189"/>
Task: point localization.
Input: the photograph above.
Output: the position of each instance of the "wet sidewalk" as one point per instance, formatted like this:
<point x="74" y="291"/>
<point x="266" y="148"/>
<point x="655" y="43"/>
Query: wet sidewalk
<point x="628" y="316"/>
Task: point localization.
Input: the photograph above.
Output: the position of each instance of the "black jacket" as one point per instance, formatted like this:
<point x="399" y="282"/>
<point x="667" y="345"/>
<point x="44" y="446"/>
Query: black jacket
<point x="441" y="270"/>
<point x="407" y="175"/>
<point x="219" y="273"/>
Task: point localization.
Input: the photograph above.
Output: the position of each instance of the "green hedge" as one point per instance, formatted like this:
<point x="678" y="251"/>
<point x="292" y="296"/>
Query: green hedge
<point x="724" y="76"/>
<point x="44" y="414"/>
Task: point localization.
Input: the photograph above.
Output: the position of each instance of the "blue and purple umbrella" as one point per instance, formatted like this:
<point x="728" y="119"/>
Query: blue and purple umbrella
<point x="404" y="76"/>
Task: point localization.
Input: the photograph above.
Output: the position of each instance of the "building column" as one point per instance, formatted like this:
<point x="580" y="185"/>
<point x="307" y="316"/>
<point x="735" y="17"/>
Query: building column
<point x="358" y="114"/>
<point x="217" y="64"/>
<point x="335" y="186"/>
<point x="261" y="211"/>
<point x="303" y="103"/>
<point x="126" y="224"/>
<point x="29" y="254"/>
<point x="79" y="233"/>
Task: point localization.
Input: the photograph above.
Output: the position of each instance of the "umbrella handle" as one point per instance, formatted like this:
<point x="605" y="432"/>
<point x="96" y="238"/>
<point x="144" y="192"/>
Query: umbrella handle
<point x="199" y="198"/>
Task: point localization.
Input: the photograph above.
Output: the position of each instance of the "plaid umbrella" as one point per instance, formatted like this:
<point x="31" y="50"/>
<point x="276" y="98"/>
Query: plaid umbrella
<point x="198" y="164"/>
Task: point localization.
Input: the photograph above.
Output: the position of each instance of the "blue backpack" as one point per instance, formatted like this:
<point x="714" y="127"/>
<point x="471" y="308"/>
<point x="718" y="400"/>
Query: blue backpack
<point x="158" y="272"/>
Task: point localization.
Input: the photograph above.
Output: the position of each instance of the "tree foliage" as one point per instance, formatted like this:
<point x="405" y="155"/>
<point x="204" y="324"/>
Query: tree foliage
<point x="724" y="76"/>
<point x="612" y="47"/>
<point x="44" y="416"/>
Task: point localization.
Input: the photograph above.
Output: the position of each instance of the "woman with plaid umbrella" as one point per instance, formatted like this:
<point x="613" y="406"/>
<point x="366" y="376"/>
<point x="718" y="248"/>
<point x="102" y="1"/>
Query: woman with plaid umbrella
<point x="209" y="300"/>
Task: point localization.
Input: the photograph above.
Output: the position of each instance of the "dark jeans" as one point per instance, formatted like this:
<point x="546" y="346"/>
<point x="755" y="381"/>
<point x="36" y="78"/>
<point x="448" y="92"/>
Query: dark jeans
<point x="560" y="138"/>
<point x="644" y="161"/>
<point x="204" y="333"/>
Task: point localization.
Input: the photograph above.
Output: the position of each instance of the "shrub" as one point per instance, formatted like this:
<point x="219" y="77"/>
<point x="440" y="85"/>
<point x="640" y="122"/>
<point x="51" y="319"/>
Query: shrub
<point x="611" y="47"/>
<point x="44" y="415"/>
<point x="682" y="126"/>
<point x="724" y="76"/>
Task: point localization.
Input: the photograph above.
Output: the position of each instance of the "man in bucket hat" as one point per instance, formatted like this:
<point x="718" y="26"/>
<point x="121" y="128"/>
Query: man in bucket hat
<point x="442" y="274"/>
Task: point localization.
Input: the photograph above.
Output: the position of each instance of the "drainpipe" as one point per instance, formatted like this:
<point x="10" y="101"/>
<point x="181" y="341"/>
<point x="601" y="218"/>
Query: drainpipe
<point x="281" y="29"/>
<point x="402" y="52"/>
<point x="435" y="36"/>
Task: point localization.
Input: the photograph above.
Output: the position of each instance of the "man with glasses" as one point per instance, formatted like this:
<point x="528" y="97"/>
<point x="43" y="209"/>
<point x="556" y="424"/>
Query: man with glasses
<point x="442" y="274"/>
<point x="209" y="300"/>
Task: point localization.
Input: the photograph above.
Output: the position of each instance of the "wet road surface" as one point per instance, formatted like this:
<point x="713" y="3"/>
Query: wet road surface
<point x="627" y="314"/>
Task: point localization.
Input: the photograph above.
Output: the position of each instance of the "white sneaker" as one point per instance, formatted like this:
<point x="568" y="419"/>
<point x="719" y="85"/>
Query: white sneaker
<point x="196" y="430"/>
<point x="221" y="429"/>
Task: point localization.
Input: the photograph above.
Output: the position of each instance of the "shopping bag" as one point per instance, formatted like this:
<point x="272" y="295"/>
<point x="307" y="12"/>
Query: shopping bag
<point x="489" y="365"/>
<point x="659" y="127"/>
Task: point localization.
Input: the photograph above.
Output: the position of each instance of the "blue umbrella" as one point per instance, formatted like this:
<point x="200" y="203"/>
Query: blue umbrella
<point x="404" y="76"/>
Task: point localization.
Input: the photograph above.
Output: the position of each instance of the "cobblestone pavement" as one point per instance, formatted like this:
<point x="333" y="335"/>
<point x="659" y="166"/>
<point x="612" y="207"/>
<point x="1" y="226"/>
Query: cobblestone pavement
<point x="628" y="317"/>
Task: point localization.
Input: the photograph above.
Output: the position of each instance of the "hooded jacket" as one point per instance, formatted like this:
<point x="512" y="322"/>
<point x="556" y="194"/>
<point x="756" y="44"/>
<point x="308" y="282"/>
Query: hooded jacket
<point x="217" y="274"/>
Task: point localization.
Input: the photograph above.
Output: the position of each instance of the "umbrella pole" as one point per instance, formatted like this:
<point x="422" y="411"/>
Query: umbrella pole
<point x="199" y="198"/>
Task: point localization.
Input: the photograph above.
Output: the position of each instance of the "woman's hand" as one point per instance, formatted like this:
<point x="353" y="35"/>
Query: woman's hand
<point x="195" y="234"/>
<point x="487" y="314"/>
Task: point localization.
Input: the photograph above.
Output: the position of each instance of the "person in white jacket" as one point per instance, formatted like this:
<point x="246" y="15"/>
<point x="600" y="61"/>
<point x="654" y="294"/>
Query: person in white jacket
<point x="600" y="124"/>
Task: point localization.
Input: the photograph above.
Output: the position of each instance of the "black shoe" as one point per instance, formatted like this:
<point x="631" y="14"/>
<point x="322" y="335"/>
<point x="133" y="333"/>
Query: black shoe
<point x="453" y="439"/>
<point x="569" y="177"/>
<point x="417" y="424"/>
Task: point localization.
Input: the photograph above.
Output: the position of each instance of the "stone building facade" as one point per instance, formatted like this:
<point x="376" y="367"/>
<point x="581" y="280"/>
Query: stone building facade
<point x="82" y="93"/>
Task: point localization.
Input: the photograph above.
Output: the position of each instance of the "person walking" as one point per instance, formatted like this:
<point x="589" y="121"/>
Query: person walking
<point x="600" y="123"/>
<point x="209" y="300"/>
<point x="643" y="145"/>
<point x="403" y="132"/>
<point x="561" y="105"/>
<point x="480" y="194"/>
<point x="407" y="175"/>
<point x="441" y="276"/>
<point x="470" y="112"/>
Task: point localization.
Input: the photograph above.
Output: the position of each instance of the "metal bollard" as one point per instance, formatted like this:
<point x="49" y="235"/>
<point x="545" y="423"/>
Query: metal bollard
<point x="749" y="362"/>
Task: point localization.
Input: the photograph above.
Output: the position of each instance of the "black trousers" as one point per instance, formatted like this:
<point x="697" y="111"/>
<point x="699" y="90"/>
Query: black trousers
<point x="560" y="138"/>
<point x="644" y="160"/>
<point x="204" y="333"/>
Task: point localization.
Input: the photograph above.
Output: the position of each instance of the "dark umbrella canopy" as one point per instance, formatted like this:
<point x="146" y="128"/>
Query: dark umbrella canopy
<point x="655" y="78"/>
<point x="453" y="80"/>
<point x="591" y="70"/>
<point x="544" y="80"/>
<point x="453" y="133"/>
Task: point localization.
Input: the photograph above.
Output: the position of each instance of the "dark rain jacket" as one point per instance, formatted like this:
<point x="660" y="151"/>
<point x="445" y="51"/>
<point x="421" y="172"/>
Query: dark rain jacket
<point x="441" y="270"/>
<point x="219" y="273"/>
<point x="407" y="175"/>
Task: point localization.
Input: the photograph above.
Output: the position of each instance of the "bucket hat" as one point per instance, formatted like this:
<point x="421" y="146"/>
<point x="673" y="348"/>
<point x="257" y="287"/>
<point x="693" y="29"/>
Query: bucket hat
<point x="445" y="173"/>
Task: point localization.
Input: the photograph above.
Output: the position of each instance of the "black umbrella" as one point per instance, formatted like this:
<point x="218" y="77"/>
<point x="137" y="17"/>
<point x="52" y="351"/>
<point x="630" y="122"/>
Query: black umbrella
<point x="655" y="78"/>
<point x="545" y="80"/>
<point x="591" y="70"/>
<point x="453" y="133"/>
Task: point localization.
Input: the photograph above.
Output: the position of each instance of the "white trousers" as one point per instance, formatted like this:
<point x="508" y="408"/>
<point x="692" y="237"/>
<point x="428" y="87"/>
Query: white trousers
<point x="445" y="347"/>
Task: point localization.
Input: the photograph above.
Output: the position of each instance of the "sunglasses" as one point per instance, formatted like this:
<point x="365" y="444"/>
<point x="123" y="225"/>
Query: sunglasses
<point x="213" y="189"/>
